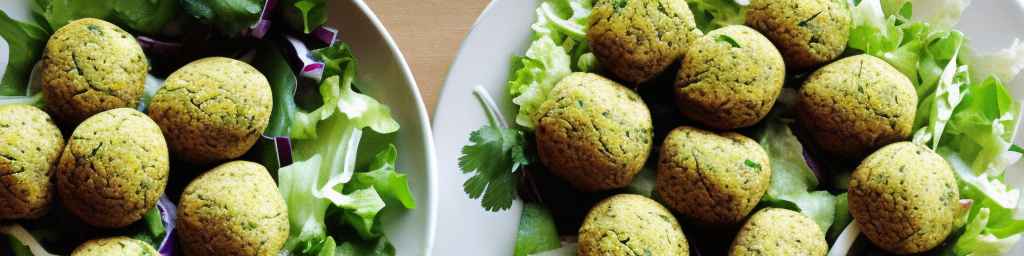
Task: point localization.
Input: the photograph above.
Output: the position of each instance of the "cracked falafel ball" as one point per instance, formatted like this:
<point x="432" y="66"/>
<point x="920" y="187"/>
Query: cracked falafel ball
<point x="233" y="209"/>
<point x="30" y="144"/>
<point x="713" y="178"/>
<point x="593" y="132"/>
<point x="730" y="78"/>
<point x="212" y="109"/>
<point x="857" y="105"/>
<point x="115" y="246"/>
<point x="776" y="231"/>
<point x="90" y="66"/>
<point x="113" y="169"/>
<point x="809" y="33"/>
<point x="904" y="198"/>
<point x="637" y="40"/>
<point x="628" y="224"/>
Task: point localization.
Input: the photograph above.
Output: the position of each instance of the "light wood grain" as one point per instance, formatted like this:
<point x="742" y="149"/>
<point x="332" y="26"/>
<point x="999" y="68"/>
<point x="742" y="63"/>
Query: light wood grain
<point x="429" y="33"/>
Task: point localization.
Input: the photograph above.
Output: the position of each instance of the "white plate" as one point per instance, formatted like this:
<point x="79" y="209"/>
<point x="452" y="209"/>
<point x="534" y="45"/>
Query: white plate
<point x="381" y="65"/>
<point x="484" y="59"/>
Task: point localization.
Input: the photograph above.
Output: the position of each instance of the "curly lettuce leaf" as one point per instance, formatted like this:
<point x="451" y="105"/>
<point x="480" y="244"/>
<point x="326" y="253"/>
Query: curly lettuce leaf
<point x="326" y="148"/>
<point x="231" y="17"/>
<point x="793" y="183"/>
<point x="1004" y="64"/>
<point x="382" y="176"/>
<point x="25" y="46"/>
<point x="713" y="14"/>
<point x="984" y="126"/>
<point x="543" y="66"/>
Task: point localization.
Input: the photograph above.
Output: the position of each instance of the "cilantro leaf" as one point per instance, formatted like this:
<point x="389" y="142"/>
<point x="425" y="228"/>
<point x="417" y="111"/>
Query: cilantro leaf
<point x="493" y="154"/>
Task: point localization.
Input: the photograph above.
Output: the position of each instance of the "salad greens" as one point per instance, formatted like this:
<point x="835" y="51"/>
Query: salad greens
<point x="324" y="177"/>
<point x="965" y="113"/>
<point x="150" y="16"/>
<point x="229" y="16"/>
<point x="344" y="171"/>
<point x="305" y="14"/>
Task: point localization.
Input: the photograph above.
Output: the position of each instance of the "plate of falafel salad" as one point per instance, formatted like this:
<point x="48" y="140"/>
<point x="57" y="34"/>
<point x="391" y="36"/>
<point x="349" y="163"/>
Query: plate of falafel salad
<point x="209" y="127"/>
<point x="720" y="127"/>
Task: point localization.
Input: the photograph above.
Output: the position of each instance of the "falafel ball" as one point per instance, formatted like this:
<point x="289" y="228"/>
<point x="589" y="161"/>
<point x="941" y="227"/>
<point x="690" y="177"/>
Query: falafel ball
<point x="637" y="40"/>
<point x="713" y="178"/>
<point x="30" y="144"/>
<point x="730" y="78"/>
<point x="113" y="169"/>
<point x="776" y="231"/>
<point x="90" y="66"/>
<point x="809" y="33"/>
<point x="628" y="224"/>
<point x="593" y="132"/>
<point x="233" y="209"/>
<point x="115" y="246"/>
<point x="904" y="198"/>
<point x="857" y="105"/>
<point x="212" y="109"/>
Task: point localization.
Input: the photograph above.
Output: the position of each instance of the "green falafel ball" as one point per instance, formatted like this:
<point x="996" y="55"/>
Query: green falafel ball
<point x="233" y="209"/>
<point x="593" y="132"/>
<point x="856" y="105"/>
<point x="809" y="33"/>
<point x="627" y="224"/>
<point x="114" y="168"/>
<point x="212" y="109"/>
<point x="30" y="144"/>
<point x="637" y="40"/>
<point x="115" y="246"/>
<point x="904" y="198"/>
<point x="730" y="78"/>
<point x="90" y="66"/>
<point x="713" y="178"/>
<point x="775" y="231"/>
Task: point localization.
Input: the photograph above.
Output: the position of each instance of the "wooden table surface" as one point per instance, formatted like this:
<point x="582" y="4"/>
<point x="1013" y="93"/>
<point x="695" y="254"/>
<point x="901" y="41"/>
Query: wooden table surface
<point x="429" y="33"/>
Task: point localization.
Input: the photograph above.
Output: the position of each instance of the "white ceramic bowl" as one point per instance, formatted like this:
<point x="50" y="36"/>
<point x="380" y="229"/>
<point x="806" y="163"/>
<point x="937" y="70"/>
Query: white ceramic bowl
<point x="484" y="59"/>
<point x="382" y="67"/>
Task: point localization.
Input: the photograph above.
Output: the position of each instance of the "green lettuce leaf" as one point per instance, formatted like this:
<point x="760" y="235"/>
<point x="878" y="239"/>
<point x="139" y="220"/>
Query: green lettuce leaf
<point x="146" y="16"/>
<point x="543" y="66"/>
<point x="793" y="182"/>
<point x="382" y="176"/>
<point x="305" y="15"/>
<point x="537" y="231"/>
<point x="25" y="46"/>
<point x="713" y="14"/>
<point x="326" y="149"/>
<point x="228" y="16"/>
<point x="976" y="241"/>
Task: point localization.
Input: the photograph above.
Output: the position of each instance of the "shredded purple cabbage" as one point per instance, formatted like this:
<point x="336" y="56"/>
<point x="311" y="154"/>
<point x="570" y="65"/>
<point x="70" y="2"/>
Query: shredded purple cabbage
<point x="325" y="34"/>
<point x="815" y="167"/>
<point x="161" y="48"/>
<point x="168" y="213"/>
<point x="301" y="56"/>
<point x="283" y="148"/>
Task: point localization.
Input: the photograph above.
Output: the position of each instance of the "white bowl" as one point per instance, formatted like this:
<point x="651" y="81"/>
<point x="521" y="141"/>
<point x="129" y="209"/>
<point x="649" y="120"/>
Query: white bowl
<point x="382" y="67"/>
<point x="484" y="59"/>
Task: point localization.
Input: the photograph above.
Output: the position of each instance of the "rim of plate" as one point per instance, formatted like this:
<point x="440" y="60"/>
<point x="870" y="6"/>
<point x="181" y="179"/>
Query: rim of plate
<point x="421" y="115"/>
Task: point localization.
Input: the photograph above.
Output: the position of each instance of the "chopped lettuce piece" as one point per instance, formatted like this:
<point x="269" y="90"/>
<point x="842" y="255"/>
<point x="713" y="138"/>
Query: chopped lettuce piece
<point x="793" y="182"/>
<point x="1004" y="64"/>
<point x="231" y="17"/>
<point x="149" y="17"/>
<point x="25" y="46"/>
<point x="382" y="176"/>
<point x="305" y="15"/>
<point x="17" y="232"/>
<point x="537" y="231"/>
<point x="713" y="14"/>
<point x="975" y="241"/>
<point x="326" y="164"/>
<point x="543" y="66"/>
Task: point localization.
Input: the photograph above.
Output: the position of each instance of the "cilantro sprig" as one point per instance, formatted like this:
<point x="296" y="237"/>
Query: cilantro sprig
<point x="494" y="154"/>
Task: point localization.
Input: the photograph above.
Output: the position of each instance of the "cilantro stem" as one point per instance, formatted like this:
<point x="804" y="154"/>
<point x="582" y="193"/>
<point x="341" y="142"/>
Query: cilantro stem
<point x="494" y="116"/>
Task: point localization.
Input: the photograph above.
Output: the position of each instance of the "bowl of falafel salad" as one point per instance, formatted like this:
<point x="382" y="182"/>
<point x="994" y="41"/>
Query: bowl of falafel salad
<point x="720" y="127"/>
<point x="227" y="127"/>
